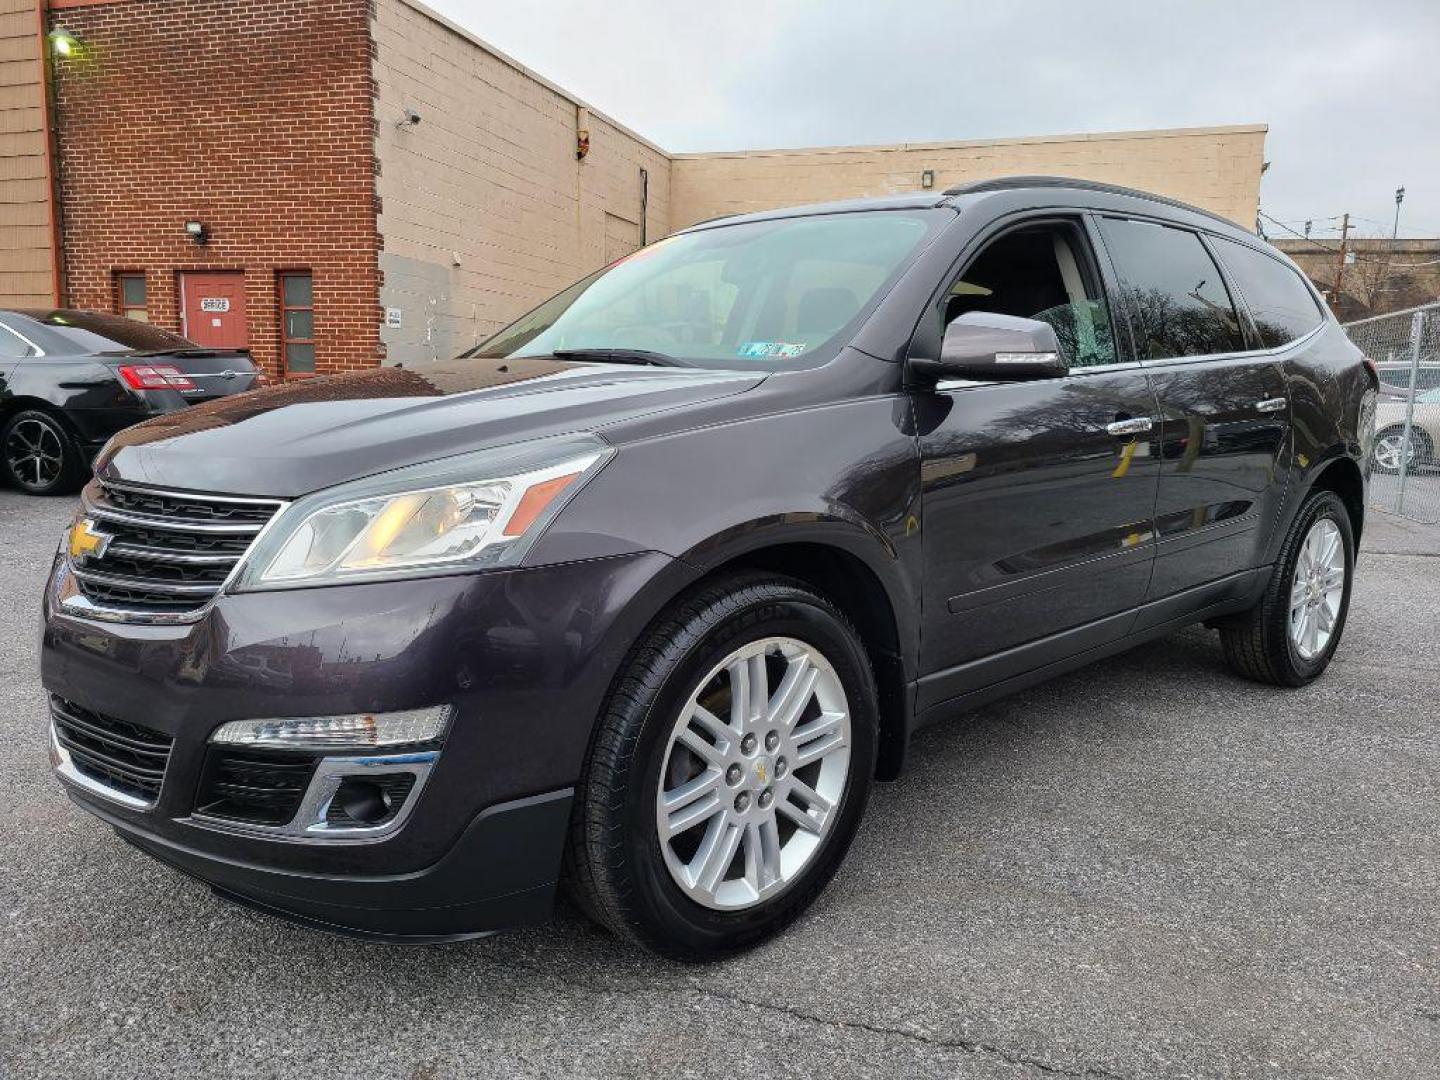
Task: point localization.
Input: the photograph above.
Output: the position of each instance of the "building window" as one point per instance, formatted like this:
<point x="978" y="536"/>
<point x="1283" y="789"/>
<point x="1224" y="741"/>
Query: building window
<point x="297" y="324"/>
<point x="130" y="293"/>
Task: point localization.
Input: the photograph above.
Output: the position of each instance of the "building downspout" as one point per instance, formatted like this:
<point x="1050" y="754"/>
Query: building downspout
<point x="52" y="151"/>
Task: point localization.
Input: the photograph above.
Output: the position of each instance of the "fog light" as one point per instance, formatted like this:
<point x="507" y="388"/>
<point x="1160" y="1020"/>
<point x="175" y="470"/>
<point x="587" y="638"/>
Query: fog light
<point x="353" y="731"/>
<point x="363" y="801"/>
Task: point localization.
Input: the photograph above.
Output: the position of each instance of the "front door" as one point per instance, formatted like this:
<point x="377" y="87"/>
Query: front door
<point x="1038" y="497"/>
<point x="213" y="310"/>
<point x="1225" y="411"/>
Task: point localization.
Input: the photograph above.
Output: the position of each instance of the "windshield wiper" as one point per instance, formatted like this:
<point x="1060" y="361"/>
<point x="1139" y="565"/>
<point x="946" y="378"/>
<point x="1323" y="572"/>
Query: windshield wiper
<point x="620" y="356"/>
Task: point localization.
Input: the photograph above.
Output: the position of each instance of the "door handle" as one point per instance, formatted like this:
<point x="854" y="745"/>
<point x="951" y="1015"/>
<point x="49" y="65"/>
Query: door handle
<point x="1273" y="404"/>
<point x="1137" y="425"/>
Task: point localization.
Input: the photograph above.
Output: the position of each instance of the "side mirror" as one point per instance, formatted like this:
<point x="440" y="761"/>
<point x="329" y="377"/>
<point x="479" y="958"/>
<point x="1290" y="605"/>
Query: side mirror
<point x="987" y="347"/>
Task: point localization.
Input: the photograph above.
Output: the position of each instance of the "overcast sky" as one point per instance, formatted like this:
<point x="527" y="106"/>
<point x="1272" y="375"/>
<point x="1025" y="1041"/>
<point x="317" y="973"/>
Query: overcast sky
<point x="1351" y="91"/>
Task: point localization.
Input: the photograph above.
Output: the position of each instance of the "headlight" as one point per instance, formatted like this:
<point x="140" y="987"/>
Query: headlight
<point x="482" y="509"/>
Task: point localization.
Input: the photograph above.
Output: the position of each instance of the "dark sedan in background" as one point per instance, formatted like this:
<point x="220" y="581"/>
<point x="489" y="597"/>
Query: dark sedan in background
<point x="71" y="379"/>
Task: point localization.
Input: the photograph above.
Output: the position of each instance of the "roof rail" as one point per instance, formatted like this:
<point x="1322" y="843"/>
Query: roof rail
<point x="1009" y="183"/>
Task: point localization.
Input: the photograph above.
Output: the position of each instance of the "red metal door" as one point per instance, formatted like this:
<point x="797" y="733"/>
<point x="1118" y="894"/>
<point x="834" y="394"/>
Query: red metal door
<point x="213" y="308"/>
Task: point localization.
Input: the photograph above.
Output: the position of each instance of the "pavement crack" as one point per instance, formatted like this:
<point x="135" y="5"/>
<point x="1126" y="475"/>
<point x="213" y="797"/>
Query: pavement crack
<point x="940" y="1042"/>
<point x="969" y="1046"/>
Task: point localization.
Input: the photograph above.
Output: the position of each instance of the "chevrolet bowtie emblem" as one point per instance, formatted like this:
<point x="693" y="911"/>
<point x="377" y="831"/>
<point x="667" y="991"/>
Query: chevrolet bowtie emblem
<point x="86" y="541"/>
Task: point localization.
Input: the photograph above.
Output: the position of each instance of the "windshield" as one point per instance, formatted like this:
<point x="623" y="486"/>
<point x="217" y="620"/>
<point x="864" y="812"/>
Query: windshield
<point x="768" y="294"/>
<point x="93" y="332"/>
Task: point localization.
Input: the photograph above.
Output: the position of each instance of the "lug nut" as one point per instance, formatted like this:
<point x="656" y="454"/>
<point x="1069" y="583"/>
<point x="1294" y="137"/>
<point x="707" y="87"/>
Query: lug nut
<point x="780" y="767"/>
<point x="733" y="775"/>
<point x="748" y="744"/>
<point x="766" y="798"/>
<point x="742" y="801"/>
<point x="772" y="740"/>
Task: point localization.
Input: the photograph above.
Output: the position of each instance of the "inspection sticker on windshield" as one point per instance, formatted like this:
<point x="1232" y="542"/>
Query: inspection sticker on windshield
<point x="770" y="348"/>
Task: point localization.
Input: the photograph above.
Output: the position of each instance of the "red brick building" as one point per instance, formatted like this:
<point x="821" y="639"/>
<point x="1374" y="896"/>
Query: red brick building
<point x="252" y="119"/>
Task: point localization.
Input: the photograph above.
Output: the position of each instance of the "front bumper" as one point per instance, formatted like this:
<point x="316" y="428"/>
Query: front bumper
<point x="524" y="656"/>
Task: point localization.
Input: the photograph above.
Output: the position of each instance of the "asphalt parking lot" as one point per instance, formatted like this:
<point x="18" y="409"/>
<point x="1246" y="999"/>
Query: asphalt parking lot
<point x="1148" y="868"/>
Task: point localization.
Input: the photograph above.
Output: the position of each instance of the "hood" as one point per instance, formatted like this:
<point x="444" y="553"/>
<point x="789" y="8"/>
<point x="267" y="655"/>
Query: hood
<point x="286" y="441"/>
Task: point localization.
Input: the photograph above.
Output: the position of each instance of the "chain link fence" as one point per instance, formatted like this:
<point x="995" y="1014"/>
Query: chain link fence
<point x="1405" y="346"/>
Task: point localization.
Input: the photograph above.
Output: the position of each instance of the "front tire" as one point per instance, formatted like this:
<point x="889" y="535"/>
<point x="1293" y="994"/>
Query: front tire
<point x="39" y="456"/>
<point x="1289" y="638"/>
<point x="728" y="772"/>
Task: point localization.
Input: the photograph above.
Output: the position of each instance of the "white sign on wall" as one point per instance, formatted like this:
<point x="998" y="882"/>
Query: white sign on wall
<point x="215" y="303"/>
<point x="394" y="318"/>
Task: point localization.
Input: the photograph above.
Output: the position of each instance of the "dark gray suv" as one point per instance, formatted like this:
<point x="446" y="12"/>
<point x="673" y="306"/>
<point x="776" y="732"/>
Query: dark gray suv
<point x="642" y="594"/>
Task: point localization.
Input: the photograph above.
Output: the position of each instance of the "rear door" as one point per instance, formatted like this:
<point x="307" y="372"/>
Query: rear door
<point x="1225" y="407"/>
<point x="1037" y="496"/>
<point x="213" y="310"/>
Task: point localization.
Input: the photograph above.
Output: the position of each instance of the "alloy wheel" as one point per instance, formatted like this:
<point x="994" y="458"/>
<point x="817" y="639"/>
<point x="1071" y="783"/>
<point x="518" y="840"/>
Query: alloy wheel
<point x="757" y="765"/>
<point x="34" y="452"/>
<point x="1391" y="449"/>
<point x="1318" y="589"/>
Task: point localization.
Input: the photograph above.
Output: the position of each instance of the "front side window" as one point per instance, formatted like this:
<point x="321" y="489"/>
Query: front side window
<point x="1042" y="272"/>
<point x="297" y="323"/>
<point x="1280" y="302"/>
<point x="766" y="294"/>
<point x="1172" y="290"/>
<point x="130" y="292"/>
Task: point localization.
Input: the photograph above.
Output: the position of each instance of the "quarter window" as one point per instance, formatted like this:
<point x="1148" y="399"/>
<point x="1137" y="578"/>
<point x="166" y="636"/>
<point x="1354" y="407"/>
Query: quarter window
<point x="1281" y="304"/>
<point x="1172" y="290"/>
<point x="1042" y="272"/>
<point x="297" y="323"/>
<point x="130" y="292"/>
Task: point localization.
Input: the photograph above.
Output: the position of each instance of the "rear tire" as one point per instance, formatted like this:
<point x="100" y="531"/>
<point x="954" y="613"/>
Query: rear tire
<point x="39" y="455"/>
<point x="1289" y="637"/>
<point x="1390" y="448"/>
<point x="657" y="741"/>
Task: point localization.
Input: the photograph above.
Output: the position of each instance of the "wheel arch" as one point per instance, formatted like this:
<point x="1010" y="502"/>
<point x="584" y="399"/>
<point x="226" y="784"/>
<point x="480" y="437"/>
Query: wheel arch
<point x="1343" y="476"/>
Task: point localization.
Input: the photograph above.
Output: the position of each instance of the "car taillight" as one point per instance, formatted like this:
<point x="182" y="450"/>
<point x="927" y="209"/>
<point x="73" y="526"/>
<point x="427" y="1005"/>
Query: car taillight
<point x="155" y="377"/>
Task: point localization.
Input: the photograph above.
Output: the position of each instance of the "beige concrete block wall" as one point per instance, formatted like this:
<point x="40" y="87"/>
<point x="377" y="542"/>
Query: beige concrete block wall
<point x="484" y="209"/>
<point x="26" y="256"/>
<point x="1215" y="168"/>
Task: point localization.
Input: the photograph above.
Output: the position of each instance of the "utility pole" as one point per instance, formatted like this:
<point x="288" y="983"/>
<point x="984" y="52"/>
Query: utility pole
<point x="1399" y="198"/>
<point x="1340" y="263"/>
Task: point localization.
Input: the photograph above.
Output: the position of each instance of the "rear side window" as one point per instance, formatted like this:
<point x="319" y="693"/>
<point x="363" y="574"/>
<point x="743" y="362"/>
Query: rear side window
<point x="12" y="347"/>
<point x="1172" y="289"/>
<point x="1283" y="307"/>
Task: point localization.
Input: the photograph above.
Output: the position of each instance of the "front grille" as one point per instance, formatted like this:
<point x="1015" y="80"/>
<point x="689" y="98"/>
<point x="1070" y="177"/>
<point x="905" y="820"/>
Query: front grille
<point x="126" y="757"/>
<point x="254" y="786"/>
<point x="169" y="552"/>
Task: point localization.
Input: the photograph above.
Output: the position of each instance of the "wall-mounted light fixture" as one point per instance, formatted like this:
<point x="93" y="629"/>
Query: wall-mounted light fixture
<point x="409" y="120"/>
<point x="196" y="231"/>
<point x="927" y="178"/>
<point x="63" y="43"/>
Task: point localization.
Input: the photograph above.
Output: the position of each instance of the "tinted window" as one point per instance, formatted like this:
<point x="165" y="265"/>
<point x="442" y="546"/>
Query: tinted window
<point x="763" y="294"/>
<point x="91" y="332"/>
<point x="11" y="347"/>
<point x="1173" y="291"/>
<point x="1280" y="302"/>
<point x="1041" y="272"/>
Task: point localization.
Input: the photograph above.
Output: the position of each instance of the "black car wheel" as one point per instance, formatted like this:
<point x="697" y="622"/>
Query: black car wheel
<point x="39" y="455"/>
<point x="729" y="770"/>
<point x="1289" y="637"/>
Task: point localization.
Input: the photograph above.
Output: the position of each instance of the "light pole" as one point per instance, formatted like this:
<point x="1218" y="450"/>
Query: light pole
<point x="1399" y="198"/>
